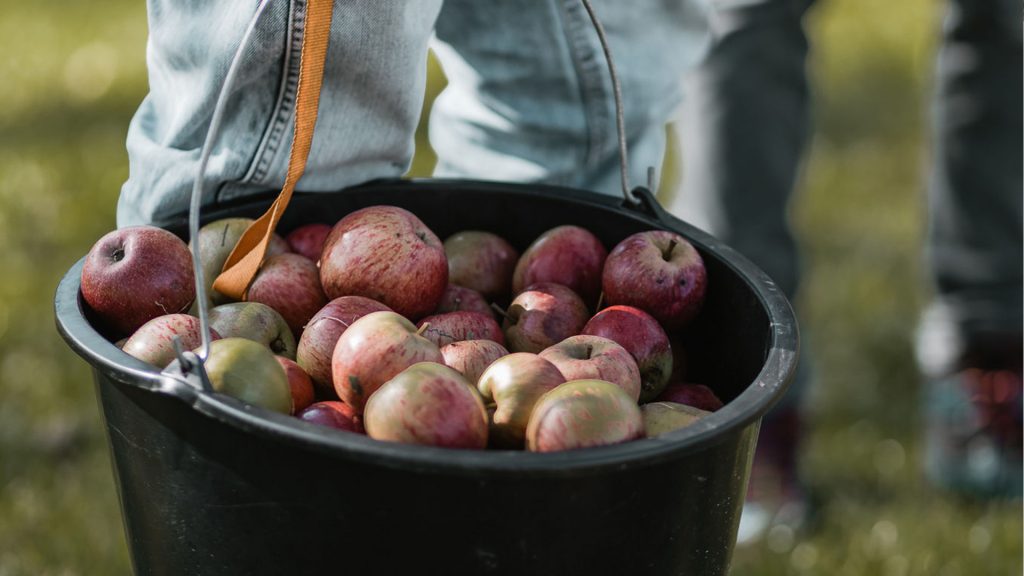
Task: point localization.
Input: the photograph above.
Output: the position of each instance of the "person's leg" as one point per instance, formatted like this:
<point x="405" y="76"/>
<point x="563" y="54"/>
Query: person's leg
<point x="529" y="97"/>
<point x="744" y="130"/>
<point x="370" y="102"/>
<point x="970" y="337"/>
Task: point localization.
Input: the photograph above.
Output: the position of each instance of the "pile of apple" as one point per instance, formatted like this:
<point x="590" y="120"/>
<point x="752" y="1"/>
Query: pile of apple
<point x="375" y="326"/>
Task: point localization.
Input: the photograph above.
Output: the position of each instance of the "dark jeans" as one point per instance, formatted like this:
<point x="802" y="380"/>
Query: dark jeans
<point x="747" y="122"/>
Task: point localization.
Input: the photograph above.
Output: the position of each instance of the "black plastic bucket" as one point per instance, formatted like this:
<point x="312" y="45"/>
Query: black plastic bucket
<point x="209" y="485"/>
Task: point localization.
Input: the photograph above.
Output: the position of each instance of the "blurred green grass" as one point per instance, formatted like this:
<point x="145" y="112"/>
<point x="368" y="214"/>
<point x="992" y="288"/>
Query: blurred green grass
<point x="74" y="73"/>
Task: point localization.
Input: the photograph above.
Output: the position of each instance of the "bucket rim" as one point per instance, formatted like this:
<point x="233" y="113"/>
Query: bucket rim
<point x="744" y="410"/>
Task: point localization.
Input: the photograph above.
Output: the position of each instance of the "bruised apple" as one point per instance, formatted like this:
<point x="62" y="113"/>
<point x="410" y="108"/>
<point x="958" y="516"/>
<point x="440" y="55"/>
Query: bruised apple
<point x="644" y="338"/>
<point x="443" y="329"/>
<point x="373" y="350"/>
<point x="542" y="315"/>
<point x="471" y="357"/>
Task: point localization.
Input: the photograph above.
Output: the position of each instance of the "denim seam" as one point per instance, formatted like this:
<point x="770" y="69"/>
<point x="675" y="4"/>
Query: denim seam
<point x="589" y="70"/>
<point x="283" y="109"/>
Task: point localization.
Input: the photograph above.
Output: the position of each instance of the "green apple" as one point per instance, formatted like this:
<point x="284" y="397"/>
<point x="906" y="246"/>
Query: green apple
<point x="257" y="322"/>
<point x="662" y="417"/>
<point x="249" y="371"/>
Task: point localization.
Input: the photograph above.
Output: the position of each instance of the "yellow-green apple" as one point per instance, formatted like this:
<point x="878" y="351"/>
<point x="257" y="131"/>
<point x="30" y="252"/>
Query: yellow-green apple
<point x="254" y="321"/>
<point x="481" y="261"/>
<point x="333" y="414"/>
<point x="216" y="241"/>
<point x="542" y="315"/>
<point x="373" y="350"/>
<point x="308" y="240"/>
<point x="388" y="254"/>
<point x="471" y="357"/>
<point x="427" y="404"/>
<point x="460" y="299"/>
<point x="134" y="274"/>
<point x="316" y="345"/>
<point x="659" y="272"/>
<point x="593" y="357"/>
<point x="696" y="395"/>
<point x="298" y="382"/>
<point x="153" y="342"/>
<point x="581" y="414"/>
<point x="249" y="371"/>
<point x="643" y="337"/>
<point x="567" y="255"/>
<point x="661" y="417"/>
<point x="290" y="284"/>
<point x="443" y="329"/>
<point x="513" y="384"/>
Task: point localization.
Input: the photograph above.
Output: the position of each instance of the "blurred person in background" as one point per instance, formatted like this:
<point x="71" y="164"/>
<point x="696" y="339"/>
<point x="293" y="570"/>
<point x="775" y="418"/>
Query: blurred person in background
<point x="745" y="129"/>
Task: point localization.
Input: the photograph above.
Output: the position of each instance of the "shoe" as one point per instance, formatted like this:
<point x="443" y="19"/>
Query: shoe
<point x="973" y="425"/>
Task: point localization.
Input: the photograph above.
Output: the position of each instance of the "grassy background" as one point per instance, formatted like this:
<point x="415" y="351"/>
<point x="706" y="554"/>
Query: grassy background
<point x="74" y="72"/>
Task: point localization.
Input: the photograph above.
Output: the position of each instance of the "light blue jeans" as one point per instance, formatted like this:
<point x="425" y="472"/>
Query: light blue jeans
<point x="529" y="98"/>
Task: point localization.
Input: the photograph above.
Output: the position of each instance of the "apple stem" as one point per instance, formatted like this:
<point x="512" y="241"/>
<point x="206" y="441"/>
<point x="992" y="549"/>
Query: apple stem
<point x="338" y="320"/>
<point x="423" y="329"/>
<point x="667" y="254"/>
<point x="600" y="301"/>
<point x="499" y="310"/>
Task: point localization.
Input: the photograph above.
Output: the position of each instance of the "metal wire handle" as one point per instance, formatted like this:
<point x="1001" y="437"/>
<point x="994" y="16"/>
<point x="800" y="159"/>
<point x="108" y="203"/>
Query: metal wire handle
<point x="197" y="185"/>
<point x="620" y="114"/>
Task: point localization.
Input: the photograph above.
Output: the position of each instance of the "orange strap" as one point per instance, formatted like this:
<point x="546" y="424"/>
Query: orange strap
<point x="247" y="257"/>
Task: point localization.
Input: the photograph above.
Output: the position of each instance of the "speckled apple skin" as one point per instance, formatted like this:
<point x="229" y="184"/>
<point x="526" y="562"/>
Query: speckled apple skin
<point x="316" y="345"/>
<point x="659" y="272"/>
<point x="388" y="254"/>
<point x="593" y="357"/>
<point x="373" y="350"/>
<point x="567" y="255"/>
<point x="582" y="414"/>
<point x="644" y="338"/>
<point x="443" y="329"/>
<point x="542" y="315"/>
<point x="428" y="404"/>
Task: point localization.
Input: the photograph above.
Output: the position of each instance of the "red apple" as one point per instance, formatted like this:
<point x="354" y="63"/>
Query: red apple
<point x="373" y="350"/>
<point x="333" y="414"/>
<point x="460" y="299"/>
<point x="471" y="357"/>
<point x="385" y="253"/>
<point x="299" y="382"/>
<point x="135" y="274"/>
<point x="308" y="240"/>
<point x="443" y="329"/>
<point x="643" y="337"/>
<point x="513" y="384"/>
<point x="542" y="315"/>
<point x="153" y="342"/>
<point x="659" y="272"/>
<point x="696" y="395"/>
<point x="481" y="261"/>
<point x="583" y="413"/>
<point x="567" y="255"/>
<point x="428" y="404"/>
<point x="593" y="357"/>
<point x="316" y="345"/>
<point x="290" y="284"/>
